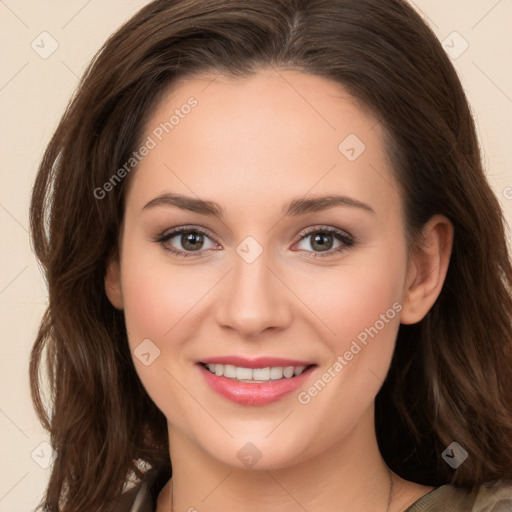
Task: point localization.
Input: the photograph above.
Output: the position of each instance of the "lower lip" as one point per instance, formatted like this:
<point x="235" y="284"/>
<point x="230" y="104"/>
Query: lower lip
<point x="245" y="393"/>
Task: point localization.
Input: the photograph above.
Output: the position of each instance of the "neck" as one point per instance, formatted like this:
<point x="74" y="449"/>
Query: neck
<point x="350" y="476"/>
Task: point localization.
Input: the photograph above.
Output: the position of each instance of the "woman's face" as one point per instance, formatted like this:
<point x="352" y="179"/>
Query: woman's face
<point x="292" y="254"/>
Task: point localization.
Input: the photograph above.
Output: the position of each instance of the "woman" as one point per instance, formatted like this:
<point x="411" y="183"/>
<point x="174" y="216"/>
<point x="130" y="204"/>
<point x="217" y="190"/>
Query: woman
<point x="273" y="260"/>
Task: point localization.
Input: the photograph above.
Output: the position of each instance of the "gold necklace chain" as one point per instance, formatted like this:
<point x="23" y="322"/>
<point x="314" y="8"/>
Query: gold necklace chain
<point x="390" y="490"/>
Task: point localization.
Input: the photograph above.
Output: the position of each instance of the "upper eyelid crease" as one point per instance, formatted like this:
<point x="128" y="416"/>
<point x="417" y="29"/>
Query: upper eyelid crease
<point x="293" y="208"/>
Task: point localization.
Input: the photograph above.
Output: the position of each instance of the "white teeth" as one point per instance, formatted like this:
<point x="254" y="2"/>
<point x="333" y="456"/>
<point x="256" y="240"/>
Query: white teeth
<point x="261" y="374"/>
<point x="243" y="373"/>
<point x="229" y="371"/>
<point x="298" y="370"/>
<point x="276" y="372"/>
<point x="288" y="371"/>
<point x="255" y="374"/>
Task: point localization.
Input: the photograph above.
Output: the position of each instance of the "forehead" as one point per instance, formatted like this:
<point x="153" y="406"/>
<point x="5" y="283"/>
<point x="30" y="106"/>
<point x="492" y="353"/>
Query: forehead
<point x="272" y="132"/>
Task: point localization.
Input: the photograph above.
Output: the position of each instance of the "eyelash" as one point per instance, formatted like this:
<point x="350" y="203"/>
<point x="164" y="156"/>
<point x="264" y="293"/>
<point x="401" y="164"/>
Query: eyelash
<point x="347" y="241"/>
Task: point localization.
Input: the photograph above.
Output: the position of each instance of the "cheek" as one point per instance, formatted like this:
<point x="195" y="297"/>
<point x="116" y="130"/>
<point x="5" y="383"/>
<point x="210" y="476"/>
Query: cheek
<point x="360" y="302"/>
<point x="157" y="296"/>
<point x="362" y="309"/>
<point x="357" y="296"/>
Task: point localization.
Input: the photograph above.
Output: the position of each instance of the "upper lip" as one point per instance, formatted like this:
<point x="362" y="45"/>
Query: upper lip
<point x="259" y="362"/>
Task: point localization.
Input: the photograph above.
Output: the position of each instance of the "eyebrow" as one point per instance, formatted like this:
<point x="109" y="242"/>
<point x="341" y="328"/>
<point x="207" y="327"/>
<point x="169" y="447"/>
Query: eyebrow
<point x="293" y="208"/>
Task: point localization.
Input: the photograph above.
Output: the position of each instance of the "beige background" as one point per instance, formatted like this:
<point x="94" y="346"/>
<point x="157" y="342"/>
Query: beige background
<point x="33" y="94"/>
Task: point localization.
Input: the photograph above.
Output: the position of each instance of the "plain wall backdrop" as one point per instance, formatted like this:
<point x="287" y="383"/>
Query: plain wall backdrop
<point x="45" y="49"/>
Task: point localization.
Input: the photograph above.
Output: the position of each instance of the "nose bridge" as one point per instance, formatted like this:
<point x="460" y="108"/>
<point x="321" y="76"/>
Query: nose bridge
<point x="253" y="298"/>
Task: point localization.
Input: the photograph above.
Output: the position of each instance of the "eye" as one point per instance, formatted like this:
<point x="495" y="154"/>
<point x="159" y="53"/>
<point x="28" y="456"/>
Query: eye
<point x="325" y="241"/>
<point x="185" y="241"/>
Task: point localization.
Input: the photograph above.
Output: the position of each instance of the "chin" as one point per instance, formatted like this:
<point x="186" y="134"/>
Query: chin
<point x="257" y="452"/>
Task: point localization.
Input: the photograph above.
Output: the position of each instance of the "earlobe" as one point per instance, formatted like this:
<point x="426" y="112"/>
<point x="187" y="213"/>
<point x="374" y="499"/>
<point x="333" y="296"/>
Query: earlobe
<point x="113" y="283"/>
<point x="428" y="266"/>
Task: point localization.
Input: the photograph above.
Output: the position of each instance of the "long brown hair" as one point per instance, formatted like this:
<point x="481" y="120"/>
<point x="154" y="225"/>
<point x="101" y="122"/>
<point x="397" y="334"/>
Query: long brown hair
<point x="451" y="375"/>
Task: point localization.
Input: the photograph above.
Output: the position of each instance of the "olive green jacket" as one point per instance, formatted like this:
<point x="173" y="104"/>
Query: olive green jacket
<point x="495" y="497"/>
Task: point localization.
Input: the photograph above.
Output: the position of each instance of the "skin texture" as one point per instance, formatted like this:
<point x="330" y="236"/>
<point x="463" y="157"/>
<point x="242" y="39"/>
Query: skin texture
<point x="252" y="145"/>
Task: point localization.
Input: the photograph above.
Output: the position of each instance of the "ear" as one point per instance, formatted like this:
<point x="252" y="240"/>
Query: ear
<point x="113" y="282"/>
<point x="427" y="268"/>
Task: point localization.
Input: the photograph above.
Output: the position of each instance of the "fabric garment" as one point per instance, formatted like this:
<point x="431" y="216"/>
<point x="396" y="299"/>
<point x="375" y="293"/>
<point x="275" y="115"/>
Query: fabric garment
<point x="495" y="497"/>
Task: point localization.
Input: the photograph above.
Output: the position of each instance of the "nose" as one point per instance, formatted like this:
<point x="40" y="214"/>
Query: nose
<point x="254" y="299"/>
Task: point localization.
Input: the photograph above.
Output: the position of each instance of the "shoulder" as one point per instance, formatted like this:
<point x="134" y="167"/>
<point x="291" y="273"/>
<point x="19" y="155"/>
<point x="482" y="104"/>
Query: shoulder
<point x="494" y="497"/>
<point x="489" y="497"/>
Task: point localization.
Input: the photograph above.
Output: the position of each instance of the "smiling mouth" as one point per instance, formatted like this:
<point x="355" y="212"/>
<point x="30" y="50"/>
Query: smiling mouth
<point x="255" y="375"/>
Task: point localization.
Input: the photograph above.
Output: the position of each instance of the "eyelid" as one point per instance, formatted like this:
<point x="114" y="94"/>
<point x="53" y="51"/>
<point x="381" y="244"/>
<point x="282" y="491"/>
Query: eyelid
<point x="168" y="233"/>
<point x="324" y="229"/>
